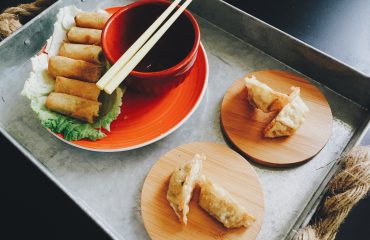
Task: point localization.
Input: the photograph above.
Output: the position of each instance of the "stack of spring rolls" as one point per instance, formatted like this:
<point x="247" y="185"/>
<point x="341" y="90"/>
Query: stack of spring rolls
<point x="78" y="66"/>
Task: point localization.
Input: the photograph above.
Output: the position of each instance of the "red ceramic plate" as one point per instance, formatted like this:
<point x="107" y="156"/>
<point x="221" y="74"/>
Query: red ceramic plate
<point x="147" y="119"/>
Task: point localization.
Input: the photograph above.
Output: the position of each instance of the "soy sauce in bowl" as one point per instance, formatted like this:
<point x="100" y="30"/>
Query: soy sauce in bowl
<point x="169" y="62"/>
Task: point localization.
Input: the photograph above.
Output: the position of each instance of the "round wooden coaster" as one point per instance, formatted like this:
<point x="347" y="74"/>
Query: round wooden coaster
<point x="243" y="124"/>
<point x="225" y="167"/>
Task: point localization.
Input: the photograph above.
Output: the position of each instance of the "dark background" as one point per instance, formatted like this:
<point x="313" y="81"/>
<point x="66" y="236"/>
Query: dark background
<point x="340" y="28"/>
<point x="34" y="208"/>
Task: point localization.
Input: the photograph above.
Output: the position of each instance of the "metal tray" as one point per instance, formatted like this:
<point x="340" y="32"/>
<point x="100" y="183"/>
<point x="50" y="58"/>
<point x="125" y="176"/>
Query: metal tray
<point x="107" y="185"/>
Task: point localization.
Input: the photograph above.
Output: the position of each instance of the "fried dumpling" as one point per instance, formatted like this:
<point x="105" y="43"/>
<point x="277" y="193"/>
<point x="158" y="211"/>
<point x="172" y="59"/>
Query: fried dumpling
<point x="181" y="186"/>
<point x="289" y="119"/>
<point x="218" y="203"/>
<point x="263" y="97"/>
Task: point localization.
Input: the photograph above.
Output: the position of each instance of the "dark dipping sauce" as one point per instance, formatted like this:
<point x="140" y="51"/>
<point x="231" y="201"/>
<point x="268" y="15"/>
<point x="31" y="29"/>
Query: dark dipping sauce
<point x="170" y="50"/>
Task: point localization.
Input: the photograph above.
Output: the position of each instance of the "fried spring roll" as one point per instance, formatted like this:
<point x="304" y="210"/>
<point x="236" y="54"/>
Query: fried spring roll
<point x="91" y="20"/>
<point x="77" y="88"/>
<point x="88" y="53"/>
<point x="73" y="106"/>
<point x="76" y="69"/>
<point x="84" y="35"/>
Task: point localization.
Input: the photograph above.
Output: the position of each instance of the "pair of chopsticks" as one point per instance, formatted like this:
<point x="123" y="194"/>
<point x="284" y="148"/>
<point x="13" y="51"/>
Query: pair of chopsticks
<point x="132" y="57"/>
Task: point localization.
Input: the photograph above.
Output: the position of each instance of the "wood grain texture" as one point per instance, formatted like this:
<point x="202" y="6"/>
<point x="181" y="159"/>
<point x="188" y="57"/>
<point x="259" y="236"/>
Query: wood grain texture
<point x="225" y="167"/>
<point x="243" y="125"/>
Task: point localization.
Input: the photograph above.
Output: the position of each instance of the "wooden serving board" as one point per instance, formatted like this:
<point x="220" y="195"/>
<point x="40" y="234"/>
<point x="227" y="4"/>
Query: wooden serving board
<point x="243" y="125"/>
<point x="225" y="167"/>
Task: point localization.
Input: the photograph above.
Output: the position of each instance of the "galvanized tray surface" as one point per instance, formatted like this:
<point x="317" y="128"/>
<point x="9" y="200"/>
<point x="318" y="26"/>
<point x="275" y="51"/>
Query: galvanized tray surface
<point x="108" y="185"/>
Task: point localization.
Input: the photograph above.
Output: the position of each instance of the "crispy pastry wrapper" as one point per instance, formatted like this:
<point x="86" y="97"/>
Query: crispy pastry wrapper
<point x="181" y="186"/>
<point x="263" y="97"/>
<point x="91" y="20"/>
<point x="84" y="35"/>
<point x="77" y="88"/>
<point x="289" y="119"/>
<point x="75" y="69"/>
<point x="73" y="106"/>
<point x="89" y="53"/>
<point x="219" y="204"/>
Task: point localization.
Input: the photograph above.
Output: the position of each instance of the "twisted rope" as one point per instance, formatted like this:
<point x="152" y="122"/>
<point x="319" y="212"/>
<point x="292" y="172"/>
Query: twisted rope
<point x="348" y="187"/>
<point x="12" y="18"/>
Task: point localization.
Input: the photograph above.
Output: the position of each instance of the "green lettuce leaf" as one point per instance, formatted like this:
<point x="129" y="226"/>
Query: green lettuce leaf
<point x="111" y="108"/>
<point x="71" y="129"/>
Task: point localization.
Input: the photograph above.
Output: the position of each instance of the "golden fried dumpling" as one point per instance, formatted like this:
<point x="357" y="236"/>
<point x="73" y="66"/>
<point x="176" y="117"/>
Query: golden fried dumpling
<point x="263" y="97"/>
<point x="218" y="203"/>
<point x="289" y="119"/>
<point x="181" y="186"/>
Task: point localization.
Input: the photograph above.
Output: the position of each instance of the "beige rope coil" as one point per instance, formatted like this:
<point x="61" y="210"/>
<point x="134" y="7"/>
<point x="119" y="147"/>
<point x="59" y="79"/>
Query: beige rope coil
<point x="348" y="187"/>
<point x="12" y="18"/>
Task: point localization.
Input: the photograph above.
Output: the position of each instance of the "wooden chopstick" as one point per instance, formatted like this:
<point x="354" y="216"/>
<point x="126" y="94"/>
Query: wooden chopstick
<point x="122" y="61"/>
<point x="132" y="63"/>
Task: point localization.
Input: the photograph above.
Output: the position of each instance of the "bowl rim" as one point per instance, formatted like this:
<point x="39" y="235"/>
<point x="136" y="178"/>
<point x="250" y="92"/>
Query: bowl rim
<point x="163" y="73"/>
